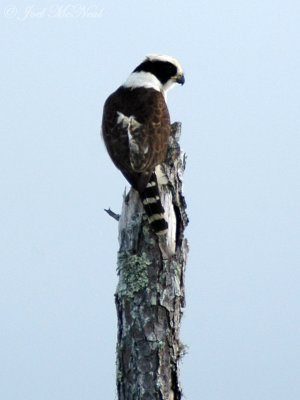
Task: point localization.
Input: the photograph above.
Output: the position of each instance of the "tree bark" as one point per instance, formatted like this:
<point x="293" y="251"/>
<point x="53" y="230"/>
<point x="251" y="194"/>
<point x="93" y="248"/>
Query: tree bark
<point x="150" y="293"/>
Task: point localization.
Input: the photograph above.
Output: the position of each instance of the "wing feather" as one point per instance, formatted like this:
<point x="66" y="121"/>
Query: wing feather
<point x="138" y="141"/>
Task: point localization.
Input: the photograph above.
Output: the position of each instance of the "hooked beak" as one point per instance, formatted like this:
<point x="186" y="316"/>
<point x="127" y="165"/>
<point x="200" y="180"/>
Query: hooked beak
<point x="180" y="79"/>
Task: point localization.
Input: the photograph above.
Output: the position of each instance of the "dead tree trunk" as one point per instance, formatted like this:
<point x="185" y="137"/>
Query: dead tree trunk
<point x="150" y="292"/>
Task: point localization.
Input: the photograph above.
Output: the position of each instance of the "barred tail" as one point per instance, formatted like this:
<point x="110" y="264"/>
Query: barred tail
<point x="152" y="204"/>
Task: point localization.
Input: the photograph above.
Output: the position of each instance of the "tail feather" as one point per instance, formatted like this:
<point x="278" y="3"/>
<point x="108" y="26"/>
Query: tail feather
<point x="152" y="204"/>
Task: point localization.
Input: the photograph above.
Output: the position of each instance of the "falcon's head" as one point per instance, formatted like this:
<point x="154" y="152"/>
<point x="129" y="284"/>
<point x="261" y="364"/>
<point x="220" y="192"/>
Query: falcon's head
<point x="159" y="72"/>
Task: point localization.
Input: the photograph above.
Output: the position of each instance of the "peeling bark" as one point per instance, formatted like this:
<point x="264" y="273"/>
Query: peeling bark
<point x="150" y="293"/>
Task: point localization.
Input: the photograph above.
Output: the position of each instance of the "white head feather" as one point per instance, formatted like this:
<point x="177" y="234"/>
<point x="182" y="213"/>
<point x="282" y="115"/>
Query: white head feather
<point x="148" y="80"/>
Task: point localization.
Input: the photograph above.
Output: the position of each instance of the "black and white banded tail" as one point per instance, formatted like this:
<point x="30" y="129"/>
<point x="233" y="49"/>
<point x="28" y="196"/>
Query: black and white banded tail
<point x="152" y="204"/>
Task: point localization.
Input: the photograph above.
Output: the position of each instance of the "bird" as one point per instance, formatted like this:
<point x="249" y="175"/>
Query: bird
<point x="136" y="128"/>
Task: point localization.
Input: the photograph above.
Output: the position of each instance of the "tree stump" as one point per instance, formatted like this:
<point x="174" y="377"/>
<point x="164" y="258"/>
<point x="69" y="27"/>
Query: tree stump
<point x="150" y="293"/>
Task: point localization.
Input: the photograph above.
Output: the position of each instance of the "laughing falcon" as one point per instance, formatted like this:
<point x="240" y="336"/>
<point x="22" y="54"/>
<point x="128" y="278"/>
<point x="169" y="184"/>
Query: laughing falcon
<point x="136" y="129"/>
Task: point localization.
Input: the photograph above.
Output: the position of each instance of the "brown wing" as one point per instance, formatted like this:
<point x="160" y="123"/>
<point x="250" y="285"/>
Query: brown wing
<point x="136" y="156"/>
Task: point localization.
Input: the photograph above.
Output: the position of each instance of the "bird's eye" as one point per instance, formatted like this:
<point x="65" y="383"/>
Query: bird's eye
<point x="170" y="69"/>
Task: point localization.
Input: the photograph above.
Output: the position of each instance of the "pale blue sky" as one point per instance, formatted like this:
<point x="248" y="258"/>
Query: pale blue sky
<point x="241" y="126"/>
